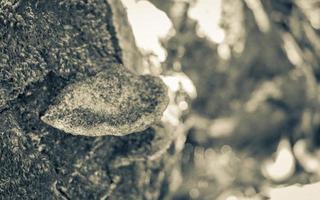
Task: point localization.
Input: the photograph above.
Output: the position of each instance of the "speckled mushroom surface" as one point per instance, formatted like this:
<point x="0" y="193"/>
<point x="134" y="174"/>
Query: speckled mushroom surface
<point x="113" y="102"/>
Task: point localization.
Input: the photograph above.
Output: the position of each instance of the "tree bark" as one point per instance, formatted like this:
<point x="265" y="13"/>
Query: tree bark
<point x="45" y="46"/>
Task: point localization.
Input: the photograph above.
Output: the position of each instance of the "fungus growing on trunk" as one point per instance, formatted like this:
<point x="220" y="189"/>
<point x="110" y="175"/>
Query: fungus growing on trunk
<point x="113" y="102"/>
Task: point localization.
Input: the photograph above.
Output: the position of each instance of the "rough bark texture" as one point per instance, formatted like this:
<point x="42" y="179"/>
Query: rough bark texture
<point x="44" y="47"/>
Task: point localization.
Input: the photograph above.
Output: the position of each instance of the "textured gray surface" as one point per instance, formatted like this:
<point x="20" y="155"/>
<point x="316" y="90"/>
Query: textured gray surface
<point x="65" y="37"/>
<point x="113" y="102"/>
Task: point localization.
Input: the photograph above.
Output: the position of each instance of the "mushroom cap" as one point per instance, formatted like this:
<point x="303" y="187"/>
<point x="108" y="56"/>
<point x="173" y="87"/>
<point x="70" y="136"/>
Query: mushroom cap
<point x="113" y="102"/>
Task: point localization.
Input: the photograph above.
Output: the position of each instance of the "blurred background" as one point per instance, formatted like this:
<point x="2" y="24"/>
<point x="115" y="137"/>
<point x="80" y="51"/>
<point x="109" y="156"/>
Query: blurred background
<point x="244" y="91"/>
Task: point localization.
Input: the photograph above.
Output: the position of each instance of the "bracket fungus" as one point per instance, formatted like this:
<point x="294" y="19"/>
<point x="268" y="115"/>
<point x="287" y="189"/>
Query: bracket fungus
<point x="113" y="102"/>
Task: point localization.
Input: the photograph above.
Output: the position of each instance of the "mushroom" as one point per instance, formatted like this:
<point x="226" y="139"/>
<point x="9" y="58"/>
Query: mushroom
<point x="113" y="102"/>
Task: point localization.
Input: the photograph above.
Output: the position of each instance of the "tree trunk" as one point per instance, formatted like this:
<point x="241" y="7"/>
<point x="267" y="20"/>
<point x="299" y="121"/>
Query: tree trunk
<point x="44" y="47"/>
